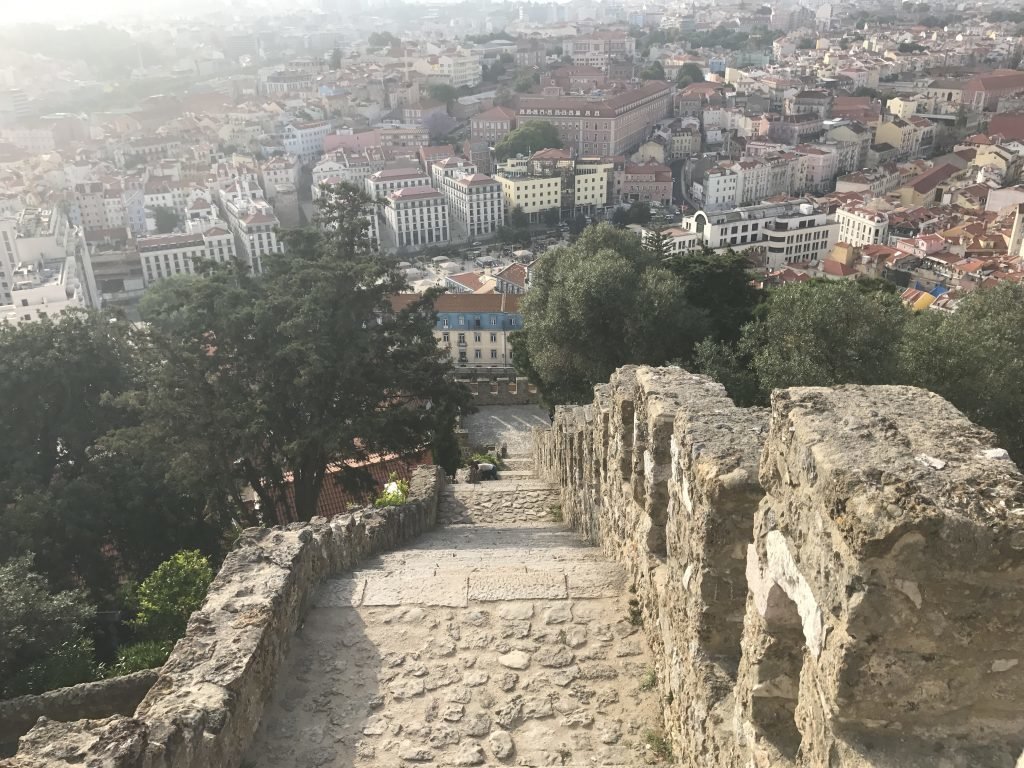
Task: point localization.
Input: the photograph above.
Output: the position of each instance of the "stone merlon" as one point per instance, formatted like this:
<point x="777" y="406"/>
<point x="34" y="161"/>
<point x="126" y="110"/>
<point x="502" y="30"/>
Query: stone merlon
<point x="836" y="581"/>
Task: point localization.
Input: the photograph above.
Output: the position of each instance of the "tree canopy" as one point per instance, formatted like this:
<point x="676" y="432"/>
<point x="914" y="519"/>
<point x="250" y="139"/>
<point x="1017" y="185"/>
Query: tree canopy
<point x="606" y="301"/>
<point x="167" y="219"/>
<point x="529" y="137"/>
<point x="689" y="73"/>
<point x="125" y="445"/>
<point x="291" y="372"/>
<point x="43" y="642"/>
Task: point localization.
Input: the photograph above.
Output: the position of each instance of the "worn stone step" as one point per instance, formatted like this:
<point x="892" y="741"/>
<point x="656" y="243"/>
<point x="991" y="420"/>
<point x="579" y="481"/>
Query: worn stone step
<point x="516" y="473"/>
<point x="502" y="485"/>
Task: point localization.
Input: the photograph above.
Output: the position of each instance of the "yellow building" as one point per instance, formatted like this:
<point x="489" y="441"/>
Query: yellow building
<point x="592" y="177"/>
<point x="531" y="193"/>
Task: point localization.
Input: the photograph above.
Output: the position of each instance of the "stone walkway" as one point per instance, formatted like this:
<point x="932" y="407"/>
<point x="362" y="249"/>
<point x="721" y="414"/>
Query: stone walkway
<point x="504" y="641"/>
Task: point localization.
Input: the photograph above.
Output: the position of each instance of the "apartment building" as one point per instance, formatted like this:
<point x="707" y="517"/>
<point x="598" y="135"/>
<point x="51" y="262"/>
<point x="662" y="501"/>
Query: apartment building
<point x="382" y="183"/>
<point x="598" y="48"/>
<point x="853" y="140"/>
<point x="279" y="171"/>
<point x="533" y="194"/>
<point x="254" y="227"/>
<point x="417" y="216"/>
<point x="8" y="257"/>
<point x="476" y="201"/>
<point x="475" y="328"/>
<point x="306" y="140"/>
<point x="159" y="193"/>
<point x="716" y="190"/>
<point x="493" y="125"/>
<point x="862" y="226"/>
<point x="877" y="182"/>
<point x="163" y="256"/>
<point x="455" y="69"/>
<point x="609" y="125"/>
<point x="449" y="168"/>
<point x="351" y="166"/>
<point x="649" y="182"/>
<point x="787" y="233"/>
<point x="39" y="294"/>
<point x="593" y="178"/>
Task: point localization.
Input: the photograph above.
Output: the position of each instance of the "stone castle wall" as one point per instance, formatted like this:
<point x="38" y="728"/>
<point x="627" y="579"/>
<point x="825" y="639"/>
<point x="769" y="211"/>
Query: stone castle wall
<point x="838" y="581"/>
<point x="502" y="391"/>
<point x="204" y="707"/>
<point x="100" y="698"/>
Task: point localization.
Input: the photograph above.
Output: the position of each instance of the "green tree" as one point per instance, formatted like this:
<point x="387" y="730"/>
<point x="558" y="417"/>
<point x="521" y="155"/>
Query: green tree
<point x="689" y="73"/>
<point x="382" y="39"/>
<point x="974" y="357"/>
<point x="43" y="640"/>
<point x="336" y="58"/>
<point x="167" y="219"/>
<point x="526" y="81"/>
<point x="292" y="372"/>
<point x="551" y="217"/>
<point x="656" y="243"/>
<point x="824" y="333"/>
<point x="639" y="213"/>
<point x="442" y="93"/>
<point x="529" y="137"/>
<point x="653" y="72"/>
<point x="720" y="283"/>
<point x="620" y="217"/>
<point x="596" y="305"/>
<point x="169" y="595"/>
<point x="577" y="224"/>
<point x="517" y="219"/>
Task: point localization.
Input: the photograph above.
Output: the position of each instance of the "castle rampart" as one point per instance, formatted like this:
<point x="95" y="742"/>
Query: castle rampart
<point x="836" y="582"/>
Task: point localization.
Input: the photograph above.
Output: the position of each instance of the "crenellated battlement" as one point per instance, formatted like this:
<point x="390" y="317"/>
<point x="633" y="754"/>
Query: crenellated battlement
<point x="836" y="581"/>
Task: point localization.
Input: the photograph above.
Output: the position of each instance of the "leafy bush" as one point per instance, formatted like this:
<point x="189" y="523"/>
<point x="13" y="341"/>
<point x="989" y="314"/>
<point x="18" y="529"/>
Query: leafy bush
<point x="139" y="656"/>
<point x="395" y="492"/>
<point x="170" y="594"/>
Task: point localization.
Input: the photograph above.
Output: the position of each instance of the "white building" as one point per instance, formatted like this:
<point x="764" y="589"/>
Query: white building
<point x="789" y="232"/>
<point x="279" y="171"/>
<point x="475" y="200"/>
<point x="862" y="226"/>
<point x="353" y="167"/>
<point x="383" y="183"/>
<point x="417" y="216"/>
<point x="306" y="140"/>
<point x="456" y="70"/>
<point x="43" y="293"/>
<point x="449" y="168"/>
<point x="717" y="190"/>
<point x="8" y="257"/>
<point x="254" y="226"/>
<point x="163" y="256"/>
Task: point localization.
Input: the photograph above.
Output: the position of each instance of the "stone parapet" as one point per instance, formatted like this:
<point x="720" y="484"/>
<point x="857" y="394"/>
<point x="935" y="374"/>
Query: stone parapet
<point x="836" y="582"/>
<point x="97" y="699"/>
<point x="205" y="706"/>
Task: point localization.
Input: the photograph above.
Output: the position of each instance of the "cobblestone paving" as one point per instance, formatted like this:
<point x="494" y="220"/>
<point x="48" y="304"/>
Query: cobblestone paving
<point x="505" y="502"/>
<point x="508" y="424"/>
<point x="483" y="645"/>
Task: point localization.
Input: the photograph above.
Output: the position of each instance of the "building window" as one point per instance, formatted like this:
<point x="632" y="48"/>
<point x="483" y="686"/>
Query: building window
<point x="444" y="322"/>
<point x="476" y="354"/>
<point x="444" y="338"/>
<point x="494" y="354"/>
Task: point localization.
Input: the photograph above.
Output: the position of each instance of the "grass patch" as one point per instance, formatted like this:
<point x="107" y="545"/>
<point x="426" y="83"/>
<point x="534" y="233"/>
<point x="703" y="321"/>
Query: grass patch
<point x="658" y="744"/>
<point x="649" y="679"/>
<point x="555" y="513"/>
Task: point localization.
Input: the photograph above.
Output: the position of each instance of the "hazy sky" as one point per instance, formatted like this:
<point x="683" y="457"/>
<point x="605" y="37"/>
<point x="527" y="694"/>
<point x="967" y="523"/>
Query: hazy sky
<point x="57" y="11"/>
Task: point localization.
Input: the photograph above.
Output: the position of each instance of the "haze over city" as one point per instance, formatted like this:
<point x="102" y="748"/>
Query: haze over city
<point x="594" y="383"/>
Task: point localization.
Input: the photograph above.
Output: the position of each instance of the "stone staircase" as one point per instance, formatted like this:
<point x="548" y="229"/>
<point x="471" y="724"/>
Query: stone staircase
<point x="518" y="497"/>
<point x="502" y="639"/>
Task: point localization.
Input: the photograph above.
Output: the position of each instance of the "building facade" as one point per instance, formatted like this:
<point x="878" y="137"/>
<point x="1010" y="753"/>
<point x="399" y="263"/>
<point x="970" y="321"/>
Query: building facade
<point x="417" y="216"/>
<point x="612" y="125"/>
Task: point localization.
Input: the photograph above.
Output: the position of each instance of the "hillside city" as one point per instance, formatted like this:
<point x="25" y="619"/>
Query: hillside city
<point x="281" y="279"/>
